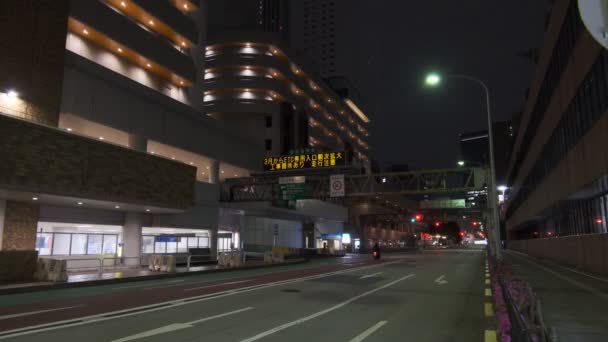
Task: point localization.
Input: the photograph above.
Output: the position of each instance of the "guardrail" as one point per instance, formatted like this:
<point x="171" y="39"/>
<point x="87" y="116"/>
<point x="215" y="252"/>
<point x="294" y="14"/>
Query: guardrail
<point x="525" y="327"/>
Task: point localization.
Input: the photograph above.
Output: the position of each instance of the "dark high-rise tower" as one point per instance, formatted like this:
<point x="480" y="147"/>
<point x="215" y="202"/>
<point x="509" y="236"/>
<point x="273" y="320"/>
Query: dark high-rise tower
<point x="314" y="32"/>
<point x="249" y="15"/>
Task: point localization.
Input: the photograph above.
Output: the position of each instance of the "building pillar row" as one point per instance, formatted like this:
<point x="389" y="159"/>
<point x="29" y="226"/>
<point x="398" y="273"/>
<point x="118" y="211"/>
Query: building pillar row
<point x="214" y="172"/>
<point x="132" y="238"/>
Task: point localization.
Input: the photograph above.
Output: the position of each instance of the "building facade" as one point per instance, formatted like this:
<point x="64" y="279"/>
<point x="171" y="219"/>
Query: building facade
<point x="253" y="81"/>
<point x="558" y="169"/>
<point x="106" y="142"/>
<point x="314" y="32"/>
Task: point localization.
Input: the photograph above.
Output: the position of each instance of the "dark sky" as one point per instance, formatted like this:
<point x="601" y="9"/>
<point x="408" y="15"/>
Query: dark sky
<point x="386" y="47"/>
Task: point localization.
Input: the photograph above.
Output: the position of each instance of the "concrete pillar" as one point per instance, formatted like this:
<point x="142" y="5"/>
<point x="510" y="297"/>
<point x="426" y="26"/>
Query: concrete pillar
<point x="131" y="237"/>
<point x="213" y="242"/>
<point x="138" y="142"/>
<point x="19" y="228"/>
<point x="214" y="172"/>
<point x="2" y="211"/>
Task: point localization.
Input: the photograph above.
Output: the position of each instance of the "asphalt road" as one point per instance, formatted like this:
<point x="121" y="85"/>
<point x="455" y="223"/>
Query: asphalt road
<point x="434" y="296"/>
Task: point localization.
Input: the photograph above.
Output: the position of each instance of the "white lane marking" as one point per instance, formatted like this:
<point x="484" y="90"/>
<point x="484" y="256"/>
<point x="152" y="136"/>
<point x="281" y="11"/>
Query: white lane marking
<point x="166" y="305"/>
<point x="323" y="312"/>
<point x="370" y="275"/>
<point x="568" y="279"/>
<point x="368" y="332"/>
<point x="560" y="266"/>
<point x="177" y="326"/>
<point x="148" y="285"/>
<point x="216" y="285"/>
<point x="441" y="281"/>
<point x="21" y="314"/>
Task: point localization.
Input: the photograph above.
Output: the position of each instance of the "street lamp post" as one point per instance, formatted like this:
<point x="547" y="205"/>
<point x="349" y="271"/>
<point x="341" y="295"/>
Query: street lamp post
<point x="434" y="80"/>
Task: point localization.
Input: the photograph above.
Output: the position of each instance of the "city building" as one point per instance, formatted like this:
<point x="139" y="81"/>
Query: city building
<point x="474" y="148"/>
<point x="558" y="169"/>
<point x="253" y="82"/>
<point x="109" y="151"/>
<point x="314" y="32"/>
<point x="249" y="15"/>
<point x="106" y="140"/>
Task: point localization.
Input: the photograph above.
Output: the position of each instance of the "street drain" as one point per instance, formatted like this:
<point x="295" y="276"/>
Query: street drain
<point x="291" y="290"/>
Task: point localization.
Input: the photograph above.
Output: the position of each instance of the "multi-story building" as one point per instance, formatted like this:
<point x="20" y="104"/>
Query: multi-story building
<point x="250" y="15"/>
<point x="253" y="81"/>
<point x="558" y="170"/>
<point x="107" y="148"/>
<point x="314" y="31"/>
<point x="474" y="148"/>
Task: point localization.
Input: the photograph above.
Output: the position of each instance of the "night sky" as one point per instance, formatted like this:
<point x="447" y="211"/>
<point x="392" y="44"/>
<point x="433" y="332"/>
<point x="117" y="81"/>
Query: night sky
<point x="386" y="47"/>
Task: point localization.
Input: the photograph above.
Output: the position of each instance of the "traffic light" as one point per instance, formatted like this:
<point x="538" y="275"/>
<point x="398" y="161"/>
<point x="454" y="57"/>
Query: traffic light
<point x="413" y="220"/>
<point x="437" y="224"/>
<point x="475" y="223"/>
<point x="461" y="233"/>
<point x="418" y="217"/>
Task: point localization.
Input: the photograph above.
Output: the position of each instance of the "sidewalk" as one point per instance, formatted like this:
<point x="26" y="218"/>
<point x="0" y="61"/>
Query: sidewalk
<point x="112" y="276"/>
<point x="574" y="305"/>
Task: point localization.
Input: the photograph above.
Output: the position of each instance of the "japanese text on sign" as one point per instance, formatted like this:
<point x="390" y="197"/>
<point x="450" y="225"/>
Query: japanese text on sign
<point x="305" y="161"/>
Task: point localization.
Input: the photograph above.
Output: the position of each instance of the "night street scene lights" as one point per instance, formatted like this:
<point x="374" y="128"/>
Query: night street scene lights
<point x="432" y="80"/>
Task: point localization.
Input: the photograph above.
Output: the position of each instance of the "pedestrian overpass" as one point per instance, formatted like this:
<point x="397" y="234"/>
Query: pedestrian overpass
<point x="411" y="184"/>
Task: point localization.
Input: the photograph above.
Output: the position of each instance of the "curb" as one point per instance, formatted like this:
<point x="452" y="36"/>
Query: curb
<point x="89" y="283"/>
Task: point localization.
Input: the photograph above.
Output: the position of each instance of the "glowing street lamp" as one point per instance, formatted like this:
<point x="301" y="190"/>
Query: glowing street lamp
<point x="432" y="80"/>
<point x="461" y="163"/>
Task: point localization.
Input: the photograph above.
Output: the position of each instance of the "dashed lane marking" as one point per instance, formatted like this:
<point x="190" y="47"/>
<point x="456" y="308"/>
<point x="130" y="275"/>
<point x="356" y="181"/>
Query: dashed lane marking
<point x="489" y="336"/>
<point x="488" y="309"/>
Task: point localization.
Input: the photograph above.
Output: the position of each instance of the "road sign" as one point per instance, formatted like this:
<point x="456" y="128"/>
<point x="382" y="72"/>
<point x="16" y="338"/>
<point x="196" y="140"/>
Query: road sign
<point x="336" y="185"/>
<point x="275" y="229"/>
<point x="292" y="180"/>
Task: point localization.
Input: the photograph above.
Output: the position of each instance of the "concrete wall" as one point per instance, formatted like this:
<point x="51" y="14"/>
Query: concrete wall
<point x="32" y="34"/>
<point x="45" y="160"/>
<point x="100" y="95"/>
<point x="260" y="231"/>
<point x="588" y="253"/>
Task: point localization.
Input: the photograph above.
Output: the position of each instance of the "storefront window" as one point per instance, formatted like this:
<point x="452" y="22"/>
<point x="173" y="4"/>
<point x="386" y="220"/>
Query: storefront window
<point x="160" y="247"/>
<point x="182" y="245"/>
<point x="147" y="246"/>
<point x="61" y="244"/>
<point x="203" y="242"/>
<point x="171" y="247"/>
<point x="79" y="244"/>
<point x="192" y="242"/>
<point x="94" y="244"/>
<point x="44" y="242"/>
<point x="109" y="244"/>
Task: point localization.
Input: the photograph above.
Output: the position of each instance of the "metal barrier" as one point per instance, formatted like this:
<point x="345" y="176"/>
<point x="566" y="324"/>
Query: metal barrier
<point x="189" y="259"/>
<point x="522" y="329"/>
<point x="100" y="263"/>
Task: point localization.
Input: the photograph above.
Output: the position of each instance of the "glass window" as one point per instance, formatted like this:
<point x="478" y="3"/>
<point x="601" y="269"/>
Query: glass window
<point x="182" y="245"/>
<point x="94" y="244"/>
<point x="109" y="244"/>
<point x="192" y="242"/>
<point x="171" y="247"/>
<point x="79" y="244"/>
<point x="147" y="245"/>
<point x="61" y="244"/>
<point x="44" y="242"/>
<point x="160" y="247"/>
<point x="203" y="242"/>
